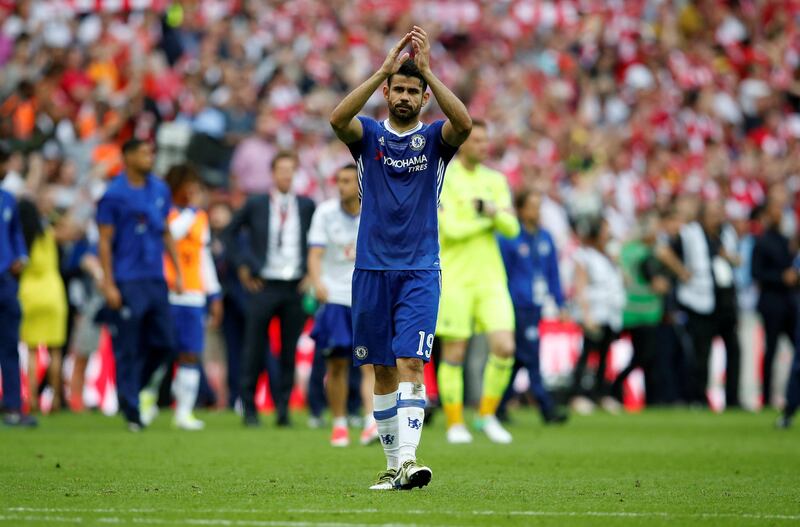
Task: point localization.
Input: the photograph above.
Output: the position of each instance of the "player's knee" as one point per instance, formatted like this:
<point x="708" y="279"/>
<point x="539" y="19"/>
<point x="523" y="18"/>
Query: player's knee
<point x="504" y="352"/>
<point x="456" y="358"/>
<point x="453" y="352"/>
<point x="337" y="367"/>
<point x="503" y="345"/>
<point x="410" y="370"/>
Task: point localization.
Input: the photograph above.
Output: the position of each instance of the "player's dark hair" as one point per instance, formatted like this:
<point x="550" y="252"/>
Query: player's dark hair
<point x="349" y="166"/>
<point x="179" y="175"/>
<point x="595" y="228"/>
<point x="588" y="227"/>
<point x="131" y="145"/>
<point x="283" y="154"/>
<point x="409" y="69"/>
<point x="522" y="196"/>
<point x="479" y="123"/>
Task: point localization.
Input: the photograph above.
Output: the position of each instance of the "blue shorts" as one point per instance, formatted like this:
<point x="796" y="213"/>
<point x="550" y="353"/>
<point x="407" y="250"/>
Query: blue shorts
<point x="333" y="330"/>
<point x="189" y="324"/>
<point x="394" y="315"/>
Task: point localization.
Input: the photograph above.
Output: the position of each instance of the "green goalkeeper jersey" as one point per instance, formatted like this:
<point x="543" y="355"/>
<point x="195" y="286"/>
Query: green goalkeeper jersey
<point x="469" y="250"/>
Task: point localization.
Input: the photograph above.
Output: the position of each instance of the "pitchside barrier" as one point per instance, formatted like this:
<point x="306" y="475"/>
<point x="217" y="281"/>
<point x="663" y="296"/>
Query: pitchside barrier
<point x="560" y="349"/>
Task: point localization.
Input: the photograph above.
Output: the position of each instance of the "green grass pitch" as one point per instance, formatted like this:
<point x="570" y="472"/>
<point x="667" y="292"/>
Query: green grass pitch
<point x="662" y="467"/>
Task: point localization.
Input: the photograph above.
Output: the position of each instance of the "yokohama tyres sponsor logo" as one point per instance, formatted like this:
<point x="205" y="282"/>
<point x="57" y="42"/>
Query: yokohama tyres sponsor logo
<point x="414" y="164"/>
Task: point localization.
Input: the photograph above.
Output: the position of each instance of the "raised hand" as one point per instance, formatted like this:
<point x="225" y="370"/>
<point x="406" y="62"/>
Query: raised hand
<point x="394" y="59"/>
<point x="422" y="48"/>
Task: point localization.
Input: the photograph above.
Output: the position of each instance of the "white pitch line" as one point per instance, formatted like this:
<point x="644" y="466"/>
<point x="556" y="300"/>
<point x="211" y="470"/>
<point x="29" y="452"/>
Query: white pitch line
<point x="264" y="523"/>
<point x="197" y="521"/>
<point x="55" y="519"/>
<point x="612" y="514"/>
<point x="63" y="509"/>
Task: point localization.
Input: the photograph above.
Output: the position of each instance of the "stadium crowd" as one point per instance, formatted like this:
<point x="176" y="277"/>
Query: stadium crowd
<point x="661" y="138"/>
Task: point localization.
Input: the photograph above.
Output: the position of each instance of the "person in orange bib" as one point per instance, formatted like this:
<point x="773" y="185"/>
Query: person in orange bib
<point x="189" y="227"/>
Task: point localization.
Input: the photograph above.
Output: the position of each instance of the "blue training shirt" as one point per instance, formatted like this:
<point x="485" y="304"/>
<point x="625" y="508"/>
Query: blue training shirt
<point x="531" y="264"/>
<point x="138" y="215"/>
<point x="12" y="242"/>
<point x="400" y="177"/>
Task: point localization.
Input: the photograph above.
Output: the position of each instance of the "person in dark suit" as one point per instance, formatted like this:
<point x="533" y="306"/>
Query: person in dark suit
<point x="271" y="265"/>
<point x="773" y="269"/>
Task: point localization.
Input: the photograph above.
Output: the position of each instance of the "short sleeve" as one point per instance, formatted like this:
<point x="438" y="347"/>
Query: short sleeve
<point x="368" y="126"/>
<point x="447" y="151"/>
<point x="358" y="147"/>
<point x="367" y="123"/>
<point x="317" y="237"/>
<point x="107" y="211"/>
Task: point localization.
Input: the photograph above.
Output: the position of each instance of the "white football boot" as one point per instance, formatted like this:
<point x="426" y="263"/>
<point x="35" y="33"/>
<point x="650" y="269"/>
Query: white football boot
<point x="495" y="431"/>
<point x="458" y="435"/>
<point x="582" y="405"/>
<point x="188" y="422"/>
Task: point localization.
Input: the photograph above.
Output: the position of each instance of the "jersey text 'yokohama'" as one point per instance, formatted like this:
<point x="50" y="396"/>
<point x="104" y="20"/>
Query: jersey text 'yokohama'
<point x="400" y="179"/>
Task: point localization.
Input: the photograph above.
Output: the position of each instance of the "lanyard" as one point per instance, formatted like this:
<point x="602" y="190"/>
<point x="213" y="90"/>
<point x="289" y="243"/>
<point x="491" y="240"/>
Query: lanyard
<point x="283" y="214"/>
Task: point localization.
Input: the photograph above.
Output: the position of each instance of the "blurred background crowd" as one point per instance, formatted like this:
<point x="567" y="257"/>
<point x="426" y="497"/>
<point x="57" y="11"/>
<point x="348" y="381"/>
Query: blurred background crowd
<point x="611" y="109"/>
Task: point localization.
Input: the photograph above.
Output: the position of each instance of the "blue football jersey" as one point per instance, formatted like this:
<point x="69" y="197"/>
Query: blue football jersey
<point x="400" y="177"/>
<point x="139" y="218"/>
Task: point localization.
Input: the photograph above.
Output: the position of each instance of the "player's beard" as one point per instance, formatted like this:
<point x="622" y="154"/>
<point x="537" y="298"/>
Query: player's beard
<point x="410" y="116"/>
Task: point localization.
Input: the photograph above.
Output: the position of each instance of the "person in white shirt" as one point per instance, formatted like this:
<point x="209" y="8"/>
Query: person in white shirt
<point x="600" y="300"/>
<point x="706" y="251"/>
<point x="266" y="242"/>
<point x="331" y="260"/>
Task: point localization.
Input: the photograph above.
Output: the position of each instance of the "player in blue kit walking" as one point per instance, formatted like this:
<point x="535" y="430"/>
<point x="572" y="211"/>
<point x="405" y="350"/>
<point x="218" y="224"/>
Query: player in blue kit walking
<point x="132" y="218"/>
<point x="397" y="280"/>
<point x="531" y="264"/>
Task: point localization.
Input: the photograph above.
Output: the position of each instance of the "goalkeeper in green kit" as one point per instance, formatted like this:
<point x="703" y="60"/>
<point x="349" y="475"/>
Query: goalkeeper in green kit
<point x="475" y="206"/>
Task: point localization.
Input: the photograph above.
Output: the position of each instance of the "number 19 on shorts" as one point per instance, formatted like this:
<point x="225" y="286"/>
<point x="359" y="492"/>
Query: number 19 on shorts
<point x="425" y="344"/>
